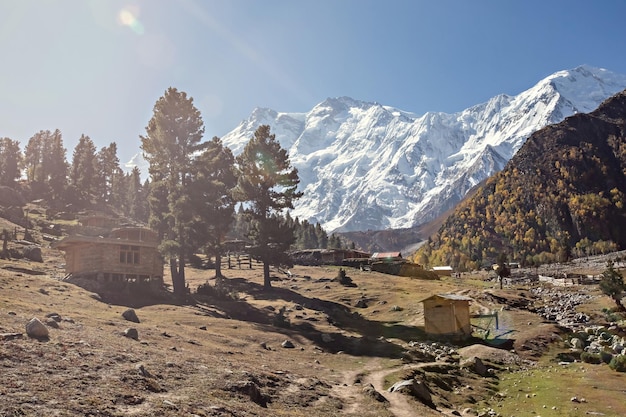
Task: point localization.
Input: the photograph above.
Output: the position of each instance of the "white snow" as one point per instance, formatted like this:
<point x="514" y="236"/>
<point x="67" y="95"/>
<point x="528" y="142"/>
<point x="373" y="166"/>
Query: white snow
<point x="368" y="166"/>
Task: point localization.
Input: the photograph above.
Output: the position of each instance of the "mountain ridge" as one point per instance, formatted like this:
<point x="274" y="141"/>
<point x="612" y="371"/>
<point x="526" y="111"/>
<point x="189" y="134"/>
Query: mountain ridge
<point x="562" y="194"/>
<point x="366" y="166"/>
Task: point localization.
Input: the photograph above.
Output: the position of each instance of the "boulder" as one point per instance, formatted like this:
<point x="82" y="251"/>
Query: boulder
<point x="130" y="315"/>
<point x="131" y="333"/>
<point x="33" y="253"/>
<point x="36" y="329"/>
<point x="476" y="365"/>
<point x="414" y="388"/>
<point x="371" y="392"/>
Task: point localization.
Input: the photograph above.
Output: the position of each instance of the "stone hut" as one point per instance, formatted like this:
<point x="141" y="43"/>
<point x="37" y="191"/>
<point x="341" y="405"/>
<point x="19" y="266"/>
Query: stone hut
<point x="447" y="315"/>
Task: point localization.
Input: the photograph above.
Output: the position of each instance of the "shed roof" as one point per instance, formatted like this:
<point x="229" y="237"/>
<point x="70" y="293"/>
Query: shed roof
<point x="383" y="255"/>
<point x="453" y="297"/>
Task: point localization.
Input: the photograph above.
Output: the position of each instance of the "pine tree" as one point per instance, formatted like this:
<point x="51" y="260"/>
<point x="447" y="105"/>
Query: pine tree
<point x="33" y="156"/>
<point x="135" y="200"/>
<point x="10" y="161"/>
<point x="173" y="135"/>
<point x="212" y="199"/>
<point x="46" y="166"/>
<point x="84" y="168"/>
<point x="55" y="167"/>
<point x="268" y="183"/>
<point x="108" y="165"/>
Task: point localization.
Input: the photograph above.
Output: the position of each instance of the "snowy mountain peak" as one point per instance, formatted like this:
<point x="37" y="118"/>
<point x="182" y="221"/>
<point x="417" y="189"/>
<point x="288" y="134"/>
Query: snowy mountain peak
<point x="368" y="166"/>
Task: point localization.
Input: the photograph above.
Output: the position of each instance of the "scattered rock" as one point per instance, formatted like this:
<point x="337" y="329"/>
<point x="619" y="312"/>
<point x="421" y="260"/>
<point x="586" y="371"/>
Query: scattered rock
<point x="10" y="336"/>
<point x="371" y="392"/>
<point x="476" y="365"/>
<point x="131" y="333"/>
<point x="252" y="390"/>
<point x="54" y="316"/>
<point x="288" y="344"/>
<point x="144" y="372"/>
<point x="414" y="388"/>
<point x="33" y="253"/>
<point x="52" y="323"/>
<point x="361" y="303"/>
<point x="36" y="329"/>
<point x="130" y="315"/>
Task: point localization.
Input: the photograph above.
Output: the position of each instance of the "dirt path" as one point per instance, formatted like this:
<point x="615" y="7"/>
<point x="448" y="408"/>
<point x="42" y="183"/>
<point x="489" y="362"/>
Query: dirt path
<point x="400" y="405"/>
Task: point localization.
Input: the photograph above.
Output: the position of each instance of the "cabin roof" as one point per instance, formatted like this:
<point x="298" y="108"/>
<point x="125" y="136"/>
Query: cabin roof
<point x="452" y="297"/>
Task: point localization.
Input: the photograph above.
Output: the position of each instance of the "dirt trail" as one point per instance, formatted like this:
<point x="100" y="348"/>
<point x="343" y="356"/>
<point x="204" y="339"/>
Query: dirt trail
<point x="400" y="405"/>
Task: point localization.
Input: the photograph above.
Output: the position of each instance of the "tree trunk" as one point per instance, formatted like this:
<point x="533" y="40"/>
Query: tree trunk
<point x="218" y="265"/>
<point x="267" y="282"/>
<point x="178" y="277"/>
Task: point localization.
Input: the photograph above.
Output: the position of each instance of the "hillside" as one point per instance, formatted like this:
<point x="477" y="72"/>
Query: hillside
<point x="563" y="193"/>
<point x="231" y="355"/>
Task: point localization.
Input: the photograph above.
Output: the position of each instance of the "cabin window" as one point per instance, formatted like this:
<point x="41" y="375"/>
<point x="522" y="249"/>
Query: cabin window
<point x="129" y="254"/>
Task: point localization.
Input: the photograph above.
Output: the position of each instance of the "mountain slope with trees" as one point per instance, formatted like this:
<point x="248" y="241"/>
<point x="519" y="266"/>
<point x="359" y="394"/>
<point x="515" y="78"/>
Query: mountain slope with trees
<point x="561" y="195"/>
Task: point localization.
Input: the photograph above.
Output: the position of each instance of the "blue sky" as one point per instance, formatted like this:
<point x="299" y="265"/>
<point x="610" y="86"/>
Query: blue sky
<point x="98" y="66"/>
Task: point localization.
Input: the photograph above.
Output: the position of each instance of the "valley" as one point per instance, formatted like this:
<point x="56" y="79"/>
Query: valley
<point x="231" y="355"/>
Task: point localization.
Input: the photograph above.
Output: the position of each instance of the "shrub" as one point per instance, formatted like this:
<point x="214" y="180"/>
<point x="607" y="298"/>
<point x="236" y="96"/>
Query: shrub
<point x="618" y="363"/>
<point x="588" y="357"/>
<point x="606" y="357"/>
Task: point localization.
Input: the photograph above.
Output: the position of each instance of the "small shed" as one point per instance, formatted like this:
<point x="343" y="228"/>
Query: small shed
<point x="447" y="315"/>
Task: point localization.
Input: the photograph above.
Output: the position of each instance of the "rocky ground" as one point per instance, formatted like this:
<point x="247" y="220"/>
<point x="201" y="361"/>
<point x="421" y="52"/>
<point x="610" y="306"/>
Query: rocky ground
<point x="308" y="347"/>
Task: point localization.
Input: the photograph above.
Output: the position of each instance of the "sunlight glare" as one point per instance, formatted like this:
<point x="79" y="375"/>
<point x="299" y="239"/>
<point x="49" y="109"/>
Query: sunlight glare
<point x="128" y="17"/>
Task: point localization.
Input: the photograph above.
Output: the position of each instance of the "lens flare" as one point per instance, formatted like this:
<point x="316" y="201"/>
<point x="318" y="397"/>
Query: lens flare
<point x="128" y="17"/>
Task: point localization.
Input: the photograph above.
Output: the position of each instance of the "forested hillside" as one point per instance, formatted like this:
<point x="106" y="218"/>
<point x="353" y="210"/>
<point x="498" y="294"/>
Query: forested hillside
<point x="561" y="195"/>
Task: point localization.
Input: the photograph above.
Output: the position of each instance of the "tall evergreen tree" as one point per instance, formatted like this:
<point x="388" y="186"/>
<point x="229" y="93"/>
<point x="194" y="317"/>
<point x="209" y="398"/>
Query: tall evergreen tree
<point x="46" y="166"/>
<point x="213" y="202"/>
<point x="84" y="168"/>
<point x="268" y="182"/>
<point x="33" y="156"/>
<point x="135" y="201"/>
<point x="10" y="161"/>
<point x="108" y="166"/>
<point x="173" y="135"/>
<point x="55" y="167"/>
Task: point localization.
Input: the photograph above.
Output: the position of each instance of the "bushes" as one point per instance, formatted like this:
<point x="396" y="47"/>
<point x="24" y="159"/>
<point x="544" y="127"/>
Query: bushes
<point x="593" y="358"/>
<point x="618" y="363"/>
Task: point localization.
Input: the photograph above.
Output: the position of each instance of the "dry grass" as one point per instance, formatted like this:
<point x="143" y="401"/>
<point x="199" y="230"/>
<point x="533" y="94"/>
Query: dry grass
<point x="223" y="357"/>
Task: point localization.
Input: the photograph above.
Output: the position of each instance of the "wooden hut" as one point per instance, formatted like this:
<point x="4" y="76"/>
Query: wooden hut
<point x="127" y="254"/>
<point x="447" y="315"/>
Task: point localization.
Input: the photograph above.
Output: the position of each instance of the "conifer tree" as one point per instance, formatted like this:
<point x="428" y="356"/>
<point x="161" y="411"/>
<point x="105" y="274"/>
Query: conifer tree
<point x="10" y="160"/>
<point x="212" y="198"/>
<point x="84" y="168"/>
<point x="55" y="167"/>
<point x="173" y="135"/>
<point x="46" y="166"/>
<point x="268" y="183"/>
<point x="108" y="165"/>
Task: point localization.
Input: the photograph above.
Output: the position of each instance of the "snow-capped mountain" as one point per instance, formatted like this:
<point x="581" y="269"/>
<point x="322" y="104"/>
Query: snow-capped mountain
<point x="366" y="166"/>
